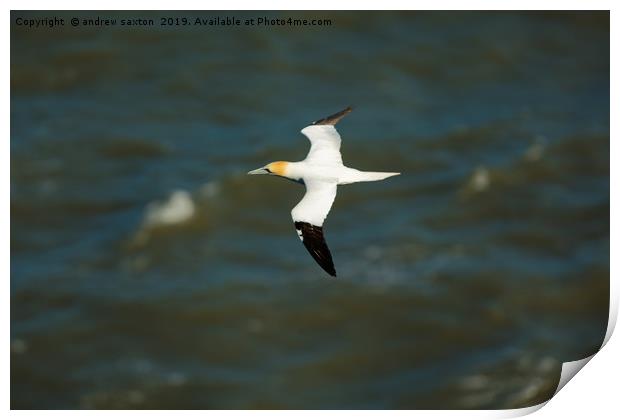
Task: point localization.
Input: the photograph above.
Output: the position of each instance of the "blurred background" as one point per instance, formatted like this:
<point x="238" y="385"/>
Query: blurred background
<point x="148" y="271"/>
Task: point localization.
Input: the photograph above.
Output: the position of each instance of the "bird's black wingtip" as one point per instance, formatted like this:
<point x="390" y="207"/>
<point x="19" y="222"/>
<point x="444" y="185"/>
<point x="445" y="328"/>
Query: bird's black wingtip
<point x="329" y="270"/>
<point x="313" y="240"/>
<point x="333" y="119"/>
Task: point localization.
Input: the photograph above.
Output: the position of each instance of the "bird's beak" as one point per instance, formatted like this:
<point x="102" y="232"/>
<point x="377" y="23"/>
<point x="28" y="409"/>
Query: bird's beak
<point x="259" y="171"/>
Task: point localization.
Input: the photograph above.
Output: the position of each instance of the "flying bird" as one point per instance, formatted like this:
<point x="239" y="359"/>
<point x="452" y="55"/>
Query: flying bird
<point x="321" y="172"/>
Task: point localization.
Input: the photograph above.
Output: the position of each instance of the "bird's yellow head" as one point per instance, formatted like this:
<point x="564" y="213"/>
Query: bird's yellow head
<point x="274" y="168"/>
<point x="278" y="168"/>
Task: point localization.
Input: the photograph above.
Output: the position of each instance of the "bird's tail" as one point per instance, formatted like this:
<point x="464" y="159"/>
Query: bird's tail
<point x="374" y="176"/>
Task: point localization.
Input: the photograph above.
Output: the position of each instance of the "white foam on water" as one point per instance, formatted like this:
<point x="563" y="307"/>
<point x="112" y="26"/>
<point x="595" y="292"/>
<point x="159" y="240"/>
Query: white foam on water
<point x="531" y="377"/>
<point x="536" y="151"/>
<point x="475" y="382"/>
<point x="178" y="208"/>
<point x="480" y="179"/>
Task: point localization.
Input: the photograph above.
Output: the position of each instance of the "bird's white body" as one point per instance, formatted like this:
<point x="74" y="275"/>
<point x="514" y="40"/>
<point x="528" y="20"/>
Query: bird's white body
<point x="321" y="172"/>
<point x="342" y="175"/>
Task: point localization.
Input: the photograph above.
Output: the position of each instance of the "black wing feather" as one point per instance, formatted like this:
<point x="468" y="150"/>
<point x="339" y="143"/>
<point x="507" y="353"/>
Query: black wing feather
<point x="312" y="237"/>
<point x="333" y="119"/>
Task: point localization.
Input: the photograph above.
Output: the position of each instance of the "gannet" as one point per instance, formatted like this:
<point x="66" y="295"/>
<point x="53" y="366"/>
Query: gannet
<point x="321" y="172"/>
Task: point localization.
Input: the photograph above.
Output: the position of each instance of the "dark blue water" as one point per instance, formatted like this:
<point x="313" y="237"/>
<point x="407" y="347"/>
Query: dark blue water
<point x="148" y="271"/>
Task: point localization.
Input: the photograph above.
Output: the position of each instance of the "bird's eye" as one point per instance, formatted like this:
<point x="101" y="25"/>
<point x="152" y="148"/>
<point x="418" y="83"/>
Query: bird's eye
<point x="268" y="170"/>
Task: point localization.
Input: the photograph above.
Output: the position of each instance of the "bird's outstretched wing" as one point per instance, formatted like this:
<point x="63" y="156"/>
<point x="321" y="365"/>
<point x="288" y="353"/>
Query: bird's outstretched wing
<point x="325" y="140"/>
<point x="308" y="216"/>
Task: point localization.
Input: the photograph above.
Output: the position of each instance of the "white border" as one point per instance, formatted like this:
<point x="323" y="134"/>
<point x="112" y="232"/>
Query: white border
<point x="595" y="387"/>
